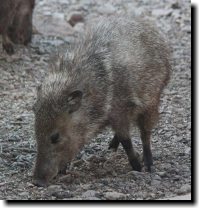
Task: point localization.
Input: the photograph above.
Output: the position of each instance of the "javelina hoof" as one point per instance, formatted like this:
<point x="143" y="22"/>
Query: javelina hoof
<point x="40" y="183"/>
<point x="8" y="47"/>
<point x="148" y="161"/>
<point x="136" y="165"/>
<point x="148" y="167"/>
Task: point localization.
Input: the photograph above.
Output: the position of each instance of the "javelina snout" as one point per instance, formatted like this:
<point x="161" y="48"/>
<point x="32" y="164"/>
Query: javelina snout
<point x="16" y="22"/>
<point x="113" y="75"/>
<point x="58" y="141"/>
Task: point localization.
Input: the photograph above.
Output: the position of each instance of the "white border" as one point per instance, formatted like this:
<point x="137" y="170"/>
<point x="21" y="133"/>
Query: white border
<point x="197" y="137"/>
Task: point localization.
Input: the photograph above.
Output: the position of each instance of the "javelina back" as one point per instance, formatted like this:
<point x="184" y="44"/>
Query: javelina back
<point x="16" y="22"/>
<point x="112" y="76"/>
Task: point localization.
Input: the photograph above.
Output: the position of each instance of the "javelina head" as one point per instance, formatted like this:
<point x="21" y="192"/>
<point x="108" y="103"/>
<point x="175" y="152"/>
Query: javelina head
<point x="20" y="31"/>
<point x="58" y="128"/>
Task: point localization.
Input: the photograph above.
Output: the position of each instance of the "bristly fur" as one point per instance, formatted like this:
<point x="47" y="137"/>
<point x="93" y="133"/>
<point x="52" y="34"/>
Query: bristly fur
<point x="121" y="67"/>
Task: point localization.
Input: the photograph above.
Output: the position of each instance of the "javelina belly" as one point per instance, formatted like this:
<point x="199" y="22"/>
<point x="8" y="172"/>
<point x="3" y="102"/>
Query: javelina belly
<point x="113" y="75"/>
<point x="16" y="22"/>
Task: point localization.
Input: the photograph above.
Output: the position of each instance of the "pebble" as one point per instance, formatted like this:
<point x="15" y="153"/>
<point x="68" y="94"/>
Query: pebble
<point x="107" y="9"/>
<point x="67" y="178"/>
<point x="162" y="12"/>
<point x="53" y="188"/>
<point x="29" y="184"/>
<point x="162" y="173"/>
<point x="156" y="177"/>
<point x="79" y="27"/>
<point x="155" y="182"/>
<point x="73" y="198"/>
<point x="74" y="18"/>
<point x="115" y="196"/>
<point x="92" y="198"/>
<point x="24" y="193"/>
<point x="165" y="166"/>
<point x="187" y="150"/>
<point x="62" y="194"/>
<point x="136" y="174"/>
<point x="184" y="189"/>
<point x="89" y="193"/>
<point x="175" y="5"/>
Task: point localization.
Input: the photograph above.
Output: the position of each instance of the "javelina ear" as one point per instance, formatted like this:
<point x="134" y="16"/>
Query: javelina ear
<point x="74" y="100"/>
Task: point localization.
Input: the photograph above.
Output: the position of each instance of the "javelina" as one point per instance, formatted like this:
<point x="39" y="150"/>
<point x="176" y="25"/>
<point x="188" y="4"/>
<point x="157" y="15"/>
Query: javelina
<point x="16" y="22"/>
<point x="113" y="76"/>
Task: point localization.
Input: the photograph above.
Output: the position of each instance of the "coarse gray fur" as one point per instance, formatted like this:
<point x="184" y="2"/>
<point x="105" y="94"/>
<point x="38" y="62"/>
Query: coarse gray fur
<point x="111" y="76"/>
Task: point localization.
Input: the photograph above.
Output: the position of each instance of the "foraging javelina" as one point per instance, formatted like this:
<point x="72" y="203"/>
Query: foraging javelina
<point x="113" y="76"/>
<point x="16" y="22"/>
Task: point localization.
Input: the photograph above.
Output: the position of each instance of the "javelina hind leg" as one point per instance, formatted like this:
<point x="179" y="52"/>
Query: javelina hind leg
<point x="7" y="45"/>
<point x="146" y="122"/>
<point x="133" y="156"/>
<point x="114" y="144"/>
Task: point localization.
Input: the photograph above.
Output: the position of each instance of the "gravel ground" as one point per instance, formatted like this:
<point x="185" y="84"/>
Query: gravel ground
<point x="96" y="173"/>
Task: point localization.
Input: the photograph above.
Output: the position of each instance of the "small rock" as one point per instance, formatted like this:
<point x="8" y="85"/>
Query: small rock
<point x="136" y="175"/>
<point x="156" y="177"/>
<point x="187" y="150"/>
<point x="155" y="182"/>
<point x="79" y="27"/>
<point x="165" y="166"/>
<point x="78" y="163"/>
<point x="73" y="198"/>
<point x="115" y="196"/>
<point x="107" y="9"/>
<point x="184" y="189"/>
<point x="24" y="194"/>
<point x="175" y="5"/>
<point x="176" y="178"/>
<point x="162" y="12"/>
<point x="2" y="183"/>
<point x="29" y="184"/>
<point x="162" y="173"/>
<point x="138" y="198"/>
<point x="62" y="194"/>
<point x="92" y="198"/>
<point x="67" y="178"/>
<point x="89" y="193"/>
<point x="53" y="188"/>
<point x="74" y="18"/>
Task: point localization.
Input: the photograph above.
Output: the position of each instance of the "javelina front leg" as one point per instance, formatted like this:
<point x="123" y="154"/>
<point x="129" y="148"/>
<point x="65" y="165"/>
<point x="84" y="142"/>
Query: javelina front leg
<point x="114" y="144"/>
<point x="132" y="155"/>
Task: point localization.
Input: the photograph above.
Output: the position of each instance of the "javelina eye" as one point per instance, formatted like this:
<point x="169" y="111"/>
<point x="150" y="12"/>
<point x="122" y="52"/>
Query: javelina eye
<point x="54" y="138"/>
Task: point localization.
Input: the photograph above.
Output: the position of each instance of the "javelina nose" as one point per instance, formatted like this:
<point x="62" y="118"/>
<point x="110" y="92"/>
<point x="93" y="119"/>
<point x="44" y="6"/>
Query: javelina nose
<point x="40" y="183"/>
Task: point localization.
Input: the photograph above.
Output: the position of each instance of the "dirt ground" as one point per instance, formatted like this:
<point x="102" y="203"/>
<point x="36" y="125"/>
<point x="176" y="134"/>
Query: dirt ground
<point x="96" y="173"/>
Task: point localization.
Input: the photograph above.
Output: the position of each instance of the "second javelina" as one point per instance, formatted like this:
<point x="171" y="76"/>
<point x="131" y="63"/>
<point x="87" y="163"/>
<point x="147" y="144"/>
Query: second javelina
<point x="112" y="76"/>
<point x="16" y="22"/>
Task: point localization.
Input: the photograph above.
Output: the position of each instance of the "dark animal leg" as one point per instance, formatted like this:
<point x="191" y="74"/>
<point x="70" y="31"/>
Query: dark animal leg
<point x="114" y="144"/>
<point x="146" y="122"/>
<point x="132" y="155"/>
<point x="128" y="147"/>
<point x="7" y="45"/>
